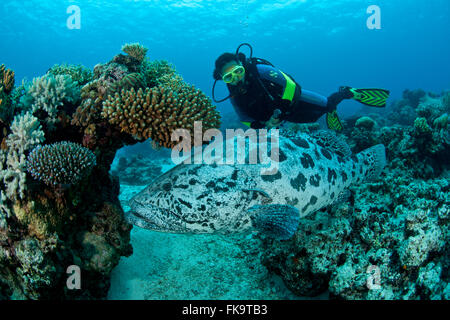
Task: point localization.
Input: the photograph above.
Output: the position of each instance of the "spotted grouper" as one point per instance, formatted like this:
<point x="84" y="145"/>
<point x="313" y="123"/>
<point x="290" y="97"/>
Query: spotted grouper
<point x="205" y="198"/>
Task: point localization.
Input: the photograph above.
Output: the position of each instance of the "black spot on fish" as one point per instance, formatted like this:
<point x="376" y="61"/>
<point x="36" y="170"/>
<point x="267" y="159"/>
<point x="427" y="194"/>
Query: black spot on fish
<point x="317" y="154"/>
<point x="314" y="180"/>
<point x="202" y="195"/>
<point x="332" y="176"/>
<point x="234" y="175"/>
<point x="291" y="202"/>
<point x="210" y="184"/>
<point x="301" y="143"/>
<point x="299" y="182"/>
<point x="167" y="186"/>
<point x="182" y="186"/>
<point x="204" y="224"/>
<point x="202" y="207"/>
<point x="211" y="225"/>
<point x="307" y="161"/>
<point x="282" y="157"/>
<point x="332" y="195"/>
<point x="353" y="174"/>
<point x="271" y="177"/>
<point x="231" y="184"/>
<point x="326" y="153"/>
<point x="291" y="148"/>
<point x="305" y="207"/>
<point x="187" y="204"/>
<point x="193" y="181"/>
<point x="344" y="177"/>
<point x="313" y="200"/>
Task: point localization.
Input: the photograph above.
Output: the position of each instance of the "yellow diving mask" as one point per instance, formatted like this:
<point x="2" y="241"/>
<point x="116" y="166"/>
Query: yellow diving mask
<point x="235" y="75"/>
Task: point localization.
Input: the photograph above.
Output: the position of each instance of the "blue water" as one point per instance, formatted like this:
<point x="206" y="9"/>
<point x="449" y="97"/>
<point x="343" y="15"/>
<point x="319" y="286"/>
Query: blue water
<point x="322" y="44"/>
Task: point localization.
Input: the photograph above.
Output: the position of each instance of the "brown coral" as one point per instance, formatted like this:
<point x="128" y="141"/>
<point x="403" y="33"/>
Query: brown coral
<point x="155" y="113"/>
<point x="6" y="79"/>
<point x="135" y="50"/>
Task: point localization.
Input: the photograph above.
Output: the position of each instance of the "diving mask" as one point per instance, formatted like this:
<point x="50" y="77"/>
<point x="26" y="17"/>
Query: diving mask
<point x="235" y="75"/>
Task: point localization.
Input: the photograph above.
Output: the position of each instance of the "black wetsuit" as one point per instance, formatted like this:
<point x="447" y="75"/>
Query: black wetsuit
<point x="265" y="89"/>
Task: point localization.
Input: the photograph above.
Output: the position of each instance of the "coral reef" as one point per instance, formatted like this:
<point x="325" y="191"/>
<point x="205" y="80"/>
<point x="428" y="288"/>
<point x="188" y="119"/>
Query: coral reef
<point x="391" y="239"/>
<point x="69" y="213"/>
<point x="155" y="113"/>
<point x="7" y="81"/>
<point x="78" y="73"/>
<point x="48" y="94"/>
<point x="60" y="163"/>
<point x="135" y="50"/>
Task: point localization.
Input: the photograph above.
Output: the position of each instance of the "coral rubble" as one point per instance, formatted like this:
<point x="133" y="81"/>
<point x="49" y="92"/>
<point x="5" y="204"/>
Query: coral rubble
<point x="59" y="204"/>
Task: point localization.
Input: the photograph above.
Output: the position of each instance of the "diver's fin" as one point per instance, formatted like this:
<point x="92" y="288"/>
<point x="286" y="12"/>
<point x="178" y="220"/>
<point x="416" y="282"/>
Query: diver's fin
<point x="333" y="121"/>
<point x="371" y="97"/>
<point x="275" y="220"/>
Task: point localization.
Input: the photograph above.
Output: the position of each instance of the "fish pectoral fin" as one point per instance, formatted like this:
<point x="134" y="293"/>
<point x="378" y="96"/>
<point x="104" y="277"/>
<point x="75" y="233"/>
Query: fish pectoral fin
<point x="278" y="221"/>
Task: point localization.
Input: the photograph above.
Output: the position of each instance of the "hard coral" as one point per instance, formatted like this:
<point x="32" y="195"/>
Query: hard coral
<point x="6" y="79"/>
<point x="78" y="73"/>
<point x="48" y="93"/>
<point x="61" y="163"/>
<point x="135" y="50"/>
<point x="155" y="113"/>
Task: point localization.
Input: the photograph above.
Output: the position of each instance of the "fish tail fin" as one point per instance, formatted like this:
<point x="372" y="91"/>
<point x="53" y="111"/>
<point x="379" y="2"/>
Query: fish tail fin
<point x="373" y="161"/>
<point x="275" y="220"/>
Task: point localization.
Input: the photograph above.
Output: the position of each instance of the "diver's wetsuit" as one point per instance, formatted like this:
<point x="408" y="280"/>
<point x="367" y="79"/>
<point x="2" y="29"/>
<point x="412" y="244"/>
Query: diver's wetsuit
<point x="266" y="88"/>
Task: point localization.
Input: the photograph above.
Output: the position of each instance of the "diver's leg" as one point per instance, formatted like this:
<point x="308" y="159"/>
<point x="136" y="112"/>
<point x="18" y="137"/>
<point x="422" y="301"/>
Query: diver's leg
<point x="337" y="97"/>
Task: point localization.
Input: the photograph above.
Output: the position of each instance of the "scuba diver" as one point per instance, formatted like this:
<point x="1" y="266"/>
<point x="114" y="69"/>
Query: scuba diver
<point x="264" y="96"/>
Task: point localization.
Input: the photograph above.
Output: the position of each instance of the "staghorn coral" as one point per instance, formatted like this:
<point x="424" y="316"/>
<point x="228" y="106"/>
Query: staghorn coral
<point x="78" y="73"/>
<point x="26" y="132"/>
<point x="155" y="113"/>
<point x="135" y="50"/>
<point x="61" y="163"/>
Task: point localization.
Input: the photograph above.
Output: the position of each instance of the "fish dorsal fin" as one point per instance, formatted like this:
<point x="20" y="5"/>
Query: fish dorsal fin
<point x="330" y="140"/>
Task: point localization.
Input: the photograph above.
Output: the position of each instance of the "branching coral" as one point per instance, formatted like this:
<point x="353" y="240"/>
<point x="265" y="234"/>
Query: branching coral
<point x="135" y="50"/>
<point x="26" y="134"/>
<point x="49" y="92"/>
<point x="78" y="73"/>
<point x="61" y="163"/>
<point x="6" y="87"/>
<point x="155" y="113"/>
<point x="6" y="79"/>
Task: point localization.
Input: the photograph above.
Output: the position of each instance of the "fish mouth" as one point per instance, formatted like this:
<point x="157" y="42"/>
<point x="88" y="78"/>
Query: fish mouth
<point x="149" y="216"/>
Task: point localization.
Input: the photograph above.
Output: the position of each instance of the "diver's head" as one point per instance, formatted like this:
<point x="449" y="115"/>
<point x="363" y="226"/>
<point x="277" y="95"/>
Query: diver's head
<point x="229" y="68"/>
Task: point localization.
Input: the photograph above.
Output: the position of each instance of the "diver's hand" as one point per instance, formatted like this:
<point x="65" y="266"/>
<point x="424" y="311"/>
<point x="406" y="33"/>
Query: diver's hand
<point x="275" y="120"/>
